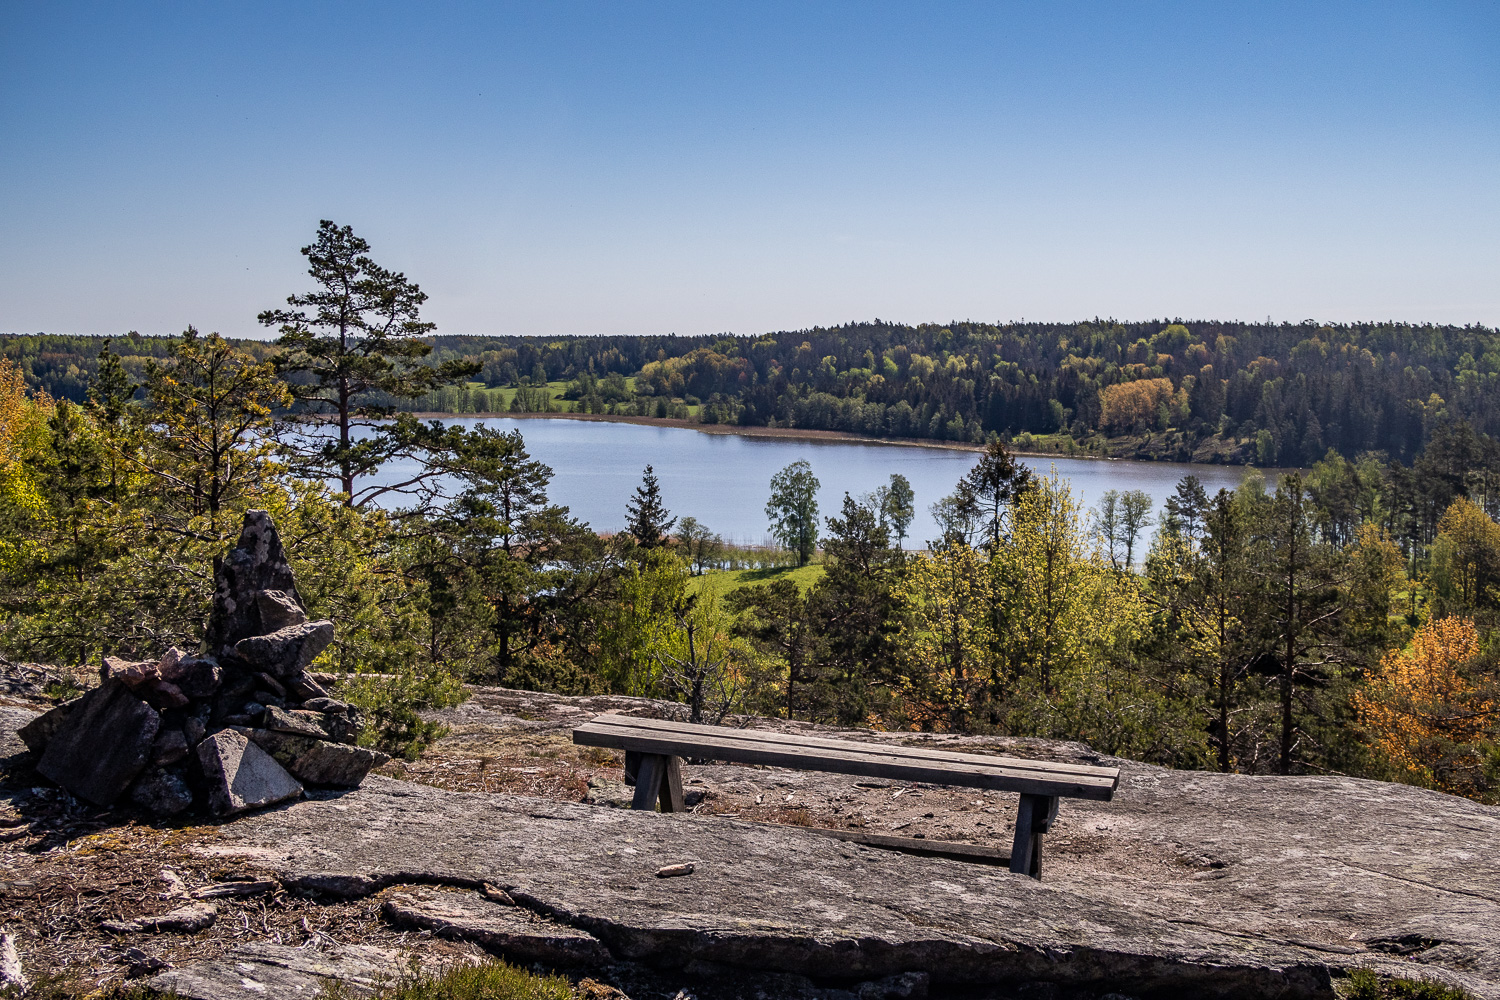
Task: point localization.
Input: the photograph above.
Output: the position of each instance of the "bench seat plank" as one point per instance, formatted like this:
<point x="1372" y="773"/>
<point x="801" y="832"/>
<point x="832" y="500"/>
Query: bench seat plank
<point x="848" y="757"/>
<point x="1050" y="768"/>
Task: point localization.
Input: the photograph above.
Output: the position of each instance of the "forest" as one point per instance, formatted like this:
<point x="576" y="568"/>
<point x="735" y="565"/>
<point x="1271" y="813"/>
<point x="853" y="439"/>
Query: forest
<point x="1280" y="395"/>
<point x="1337" y="620"/>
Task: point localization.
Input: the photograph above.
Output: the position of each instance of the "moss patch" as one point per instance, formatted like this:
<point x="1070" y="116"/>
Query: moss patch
<point x="494" y="980"/>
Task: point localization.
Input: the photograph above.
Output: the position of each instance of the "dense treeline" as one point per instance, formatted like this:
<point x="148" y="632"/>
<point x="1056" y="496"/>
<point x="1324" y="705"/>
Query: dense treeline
<point x="1272" y="394"/>
<point x="1281" y="394"/>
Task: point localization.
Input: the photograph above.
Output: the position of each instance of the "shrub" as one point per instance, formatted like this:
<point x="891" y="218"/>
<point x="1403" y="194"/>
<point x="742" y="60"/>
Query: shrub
<point x="1364" y="984"/>
<point x="493" y="980"/>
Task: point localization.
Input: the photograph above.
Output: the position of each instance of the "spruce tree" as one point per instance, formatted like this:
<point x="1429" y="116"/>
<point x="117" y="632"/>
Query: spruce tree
<point x="645" y="516"/>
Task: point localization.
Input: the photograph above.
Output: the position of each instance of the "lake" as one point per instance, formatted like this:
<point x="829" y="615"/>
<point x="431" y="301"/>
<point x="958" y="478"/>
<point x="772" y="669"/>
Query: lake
<point x="724" y="480"/>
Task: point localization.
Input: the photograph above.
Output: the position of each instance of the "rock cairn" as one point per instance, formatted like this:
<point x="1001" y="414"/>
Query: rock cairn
<point x="239" y="725"/>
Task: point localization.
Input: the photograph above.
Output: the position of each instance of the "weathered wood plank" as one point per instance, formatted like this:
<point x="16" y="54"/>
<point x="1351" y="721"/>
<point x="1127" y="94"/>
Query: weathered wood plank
<point x="894" y="750"/>
<point x="849" y="759"/>
<point x="723" y="736"/>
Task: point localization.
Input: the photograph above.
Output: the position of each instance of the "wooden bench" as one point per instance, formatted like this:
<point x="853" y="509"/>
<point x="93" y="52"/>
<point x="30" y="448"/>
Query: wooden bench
<point x="654" y="750"/>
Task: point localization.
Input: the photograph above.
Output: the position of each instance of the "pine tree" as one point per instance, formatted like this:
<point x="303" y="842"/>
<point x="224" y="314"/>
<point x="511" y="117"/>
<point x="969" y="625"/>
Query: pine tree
<point x="111" y="390"/>
<point x="346" y="350"/>
<point x="646" y="518"/>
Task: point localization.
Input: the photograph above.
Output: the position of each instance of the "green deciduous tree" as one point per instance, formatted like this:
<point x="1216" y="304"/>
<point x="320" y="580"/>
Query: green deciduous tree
<point x="793" y="509"/>
<point x="700" y="546"/>
<point x="1135" y="518"/>
<point x="947" y="641"/>
<point x="634" y="617"/>
<point x="1465" y="564"/>
<point x="897" y="504"/>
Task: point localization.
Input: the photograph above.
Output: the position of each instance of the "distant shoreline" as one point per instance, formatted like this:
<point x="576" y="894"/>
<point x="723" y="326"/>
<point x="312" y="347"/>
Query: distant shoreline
<point x="779" y="433"/>
<point x="809" y="434"/>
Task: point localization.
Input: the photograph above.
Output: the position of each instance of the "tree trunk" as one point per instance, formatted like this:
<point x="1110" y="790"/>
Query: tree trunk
<point x="1226" y="686"/>
<point x="696" y="709"/>
<point x="1289" y="660"/>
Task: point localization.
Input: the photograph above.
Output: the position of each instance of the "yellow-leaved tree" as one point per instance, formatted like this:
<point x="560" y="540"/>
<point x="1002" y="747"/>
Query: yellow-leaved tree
<point x="1049" y="583"/>
<point x="947" y="639"/>
<point x="1066" y="630"/>
<point x="1465" y="573"/>
<point x="1427" y="717"/>
<point x="21" y="414"/>
<point x="1035" y="640"/>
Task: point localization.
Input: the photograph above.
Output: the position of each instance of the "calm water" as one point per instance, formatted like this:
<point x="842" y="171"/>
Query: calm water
<point x="724" y="480"/>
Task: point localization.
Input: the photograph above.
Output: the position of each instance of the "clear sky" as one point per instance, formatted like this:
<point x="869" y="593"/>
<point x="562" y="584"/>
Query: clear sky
<point x="616" y="167"/>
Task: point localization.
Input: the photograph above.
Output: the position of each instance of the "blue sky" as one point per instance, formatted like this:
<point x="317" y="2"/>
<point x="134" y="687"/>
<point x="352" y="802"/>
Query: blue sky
<point x="554" y="168"/>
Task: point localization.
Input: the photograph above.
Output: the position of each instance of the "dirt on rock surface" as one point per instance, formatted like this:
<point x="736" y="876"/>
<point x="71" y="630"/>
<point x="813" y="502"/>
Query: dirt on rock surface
<point x="1187" y="884"/>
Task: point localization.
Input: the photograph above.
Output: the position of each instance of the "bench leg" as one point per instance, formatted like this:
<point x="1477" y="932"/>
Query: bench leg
<point x="648" y="777"/>
<point x="671" y="785"/>
<point x="658" y="780"/>
<point x="1033" y="819"/>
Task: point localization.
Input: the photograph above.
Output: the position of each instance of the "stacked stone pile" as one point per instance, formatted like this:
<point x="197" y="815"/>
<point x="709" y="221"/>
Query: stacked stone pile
<point x="239" y="725"/>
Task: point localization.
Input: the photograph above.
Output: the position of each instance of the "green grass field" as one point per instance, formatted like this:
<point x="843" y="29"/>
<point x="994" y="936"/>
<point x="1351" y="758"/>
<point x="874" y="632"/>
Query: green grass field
<point x="507" y="393"/>
<point x="733" y="579"/>
<point x="501" y="396"/>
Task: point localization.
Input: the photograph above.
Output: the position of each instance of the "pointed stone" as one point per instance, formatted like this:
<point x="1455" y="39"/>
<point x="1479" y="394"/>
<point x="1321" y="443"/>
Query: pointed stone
<point x="257" y="563"/>
<point x="278" y="609"/>
<point x="296" y="723"/>
<point x="171" y="746"/>
<point x="241" y="775"/>
<point x="134" y="673"/>
<point x="307" y="689"/>
<point x="37" y="733"/>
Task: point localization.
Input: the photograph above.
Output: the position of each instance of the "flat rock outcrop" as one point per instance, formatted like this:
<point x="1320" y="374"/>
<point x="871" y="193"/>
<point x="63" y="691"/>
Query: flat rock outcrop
<point x="1280" y="884"/>
<point x="1186" y="885"/>
<point x="280" y="971"/>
